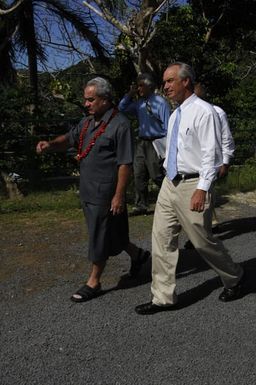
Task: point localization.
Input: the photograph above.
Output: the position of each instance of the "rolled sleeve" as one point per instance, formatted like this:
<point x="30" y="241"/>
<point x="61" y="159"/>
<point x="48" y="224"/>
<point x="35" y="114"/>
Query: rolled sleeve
<point x="127" y="105"/>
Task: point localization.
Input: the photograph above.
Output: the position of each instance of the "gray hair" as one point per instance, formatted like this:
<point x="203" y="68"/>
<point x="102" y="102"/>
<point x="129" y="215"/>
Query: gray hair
<point x="102" y="87"/>
<point x="185" y="71"/>
<point x="147" y="79"/>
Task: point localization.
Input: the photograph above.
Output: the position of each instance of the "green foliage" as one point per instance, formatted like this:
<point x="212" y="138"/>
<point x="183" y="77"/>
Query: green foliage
<point x="21" y="128"/>
<point x="224" y="63"/>
<point x="122" y="73"/>
<point x="179" y="37"/>
<point x="60" y="88"/>
<point x="16" y="127"/>
<point x="240" y="104"/>
<point x="42" y="201"/>
<point x="219" y="60"/>
<point x="240" y="178"/>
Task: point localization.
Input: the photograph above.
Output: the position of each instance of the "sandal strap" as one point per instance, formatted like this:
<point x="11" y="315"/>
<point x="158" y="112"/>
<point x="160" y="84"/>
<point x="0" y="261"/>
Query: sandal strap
<point x="86" y="290"/>
<point x="86" y="293"/>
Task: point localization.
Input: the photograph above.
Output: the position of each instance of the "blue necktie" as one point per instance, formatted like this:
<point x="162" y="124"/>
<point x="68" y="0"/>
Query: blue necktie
<point x="172" y="158"/>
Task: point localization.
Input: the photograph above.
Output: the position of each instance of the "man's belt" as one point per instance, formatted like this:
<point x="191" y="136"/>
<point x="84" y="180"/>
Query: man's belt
<point x="150" y="138"/>
<point x="185" y="176"/>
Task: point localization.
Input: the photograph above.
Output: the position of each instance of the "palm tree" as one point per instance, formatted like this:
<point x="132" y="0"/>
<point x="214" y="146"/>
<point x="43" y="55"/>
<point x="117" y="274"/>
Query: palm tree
<point x="21" y="31"/>
<point x="7" y="71"/>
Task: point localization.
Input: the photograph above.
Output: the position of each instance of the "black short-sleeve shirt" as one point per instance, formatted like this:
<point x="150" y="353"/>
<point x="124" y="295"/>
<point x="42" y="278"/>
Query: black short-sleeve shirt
<point x="99" y="169"/>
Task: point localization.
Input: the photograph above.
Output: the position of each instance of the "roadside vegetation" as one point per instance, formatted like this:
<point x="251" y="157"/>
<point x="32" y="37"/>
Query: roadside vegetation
<point x="66" y="203"/>
<point x="216" y="37"/>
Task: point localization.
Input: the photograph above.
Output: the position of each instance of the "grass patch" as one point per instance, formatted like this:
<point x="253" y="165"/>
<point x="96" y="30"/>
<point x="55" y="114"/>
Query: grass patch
<point x="67" y="202"/>
<point x="42" y="201"/>
<point x="40" y="219"/>
<point x="239" y="179"/>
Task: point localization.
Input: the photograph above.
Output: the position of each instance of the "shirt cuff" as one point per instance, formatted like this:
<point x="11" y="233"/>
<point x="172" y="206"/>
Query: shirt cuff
<point x="204" y="184"/>
<point x="226" y="159"/>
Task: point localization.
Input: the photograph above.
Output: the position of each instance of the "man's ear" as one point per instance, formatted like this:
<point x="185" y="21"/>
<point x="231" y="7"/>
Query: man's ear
<point x="186" y="82"/>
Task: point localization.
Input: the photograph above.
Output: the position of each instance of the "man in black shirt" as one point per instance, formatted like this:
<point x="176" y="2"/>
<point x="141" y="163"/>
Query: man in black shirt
<point x="105" y="155"/>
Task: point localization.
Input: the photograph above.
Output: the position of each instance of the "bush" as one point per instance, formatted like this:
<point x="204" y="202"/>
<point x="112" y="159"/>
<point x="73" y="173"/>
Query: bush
<point x="22" y="128"/>
<point x="240" y="178"/>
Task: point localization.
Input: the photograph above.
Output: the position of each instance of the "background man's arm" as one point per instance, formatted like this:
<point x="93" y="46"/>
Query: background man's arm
<point x="127" y="103"/>
<point x="208" y="141"/>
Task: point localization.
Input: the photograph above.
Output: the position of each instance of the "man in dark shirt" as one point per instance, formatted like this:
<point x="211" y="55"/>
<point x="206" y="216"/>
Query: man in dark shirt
<point x="105" y="155"/>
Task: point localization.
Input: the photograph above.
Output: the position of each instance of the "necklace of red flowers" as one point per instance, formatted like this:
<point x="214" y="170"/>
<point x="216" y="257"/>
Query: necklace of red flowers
<point x="82" y="154"/>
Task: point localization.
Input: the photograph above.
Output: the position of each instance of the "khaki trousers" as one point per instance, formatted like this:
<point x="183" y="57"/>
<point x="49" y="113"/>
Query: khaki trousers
<point x="171" y="214"/>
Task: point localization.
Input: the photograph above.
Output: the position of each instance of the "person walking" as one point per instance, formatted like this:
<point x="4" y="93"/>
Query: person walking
<point x="153" y="112"/>
<point x="225" y="138"/>
<point x="104" y="144"/>
<point x="226" y="141"/>
<point x="193" y="158"/>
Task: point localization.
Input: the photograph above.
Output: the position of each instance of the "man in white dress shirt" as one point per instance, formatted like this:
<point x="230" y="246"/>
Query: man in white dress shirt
<point x="225" y="136"/>
<point x="184" y="200"/>
<point x="226" y="141"/>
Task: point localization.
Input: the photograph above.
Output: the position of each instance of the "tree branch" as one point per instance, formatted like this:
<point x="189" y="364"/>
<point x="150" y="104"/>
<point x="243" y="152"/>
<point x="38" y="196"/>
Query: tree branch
<point x="107" y="16"/>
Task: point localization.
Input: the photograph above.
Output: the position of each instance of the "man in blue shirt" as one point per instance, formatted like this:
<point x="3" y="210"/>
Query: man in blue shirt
<point x="152" y="112"/>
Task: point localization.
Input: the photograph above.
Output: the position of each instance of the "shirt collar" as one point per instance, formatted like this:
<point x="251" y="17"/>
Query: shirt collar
<point x="188" y="101"/>
<point x="106" y="116"/>
<point x="148" y="97"/>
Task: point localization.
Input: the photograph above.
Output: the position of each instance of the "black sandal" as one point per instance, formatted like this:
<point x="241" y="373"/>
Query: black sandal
<point x="86" y="293"/>
<point x="136" y="264"/>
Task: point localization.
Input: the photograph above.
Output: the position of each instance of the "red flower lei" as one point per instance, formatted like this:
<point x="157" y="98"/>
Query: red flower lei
<point x="82" y="154"/>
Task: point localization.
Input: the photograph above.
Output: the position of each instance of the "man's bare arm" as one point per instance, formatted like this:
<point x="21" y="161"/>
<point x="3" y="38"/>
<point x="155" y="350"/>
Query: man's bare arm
<point x="60" y="143"/>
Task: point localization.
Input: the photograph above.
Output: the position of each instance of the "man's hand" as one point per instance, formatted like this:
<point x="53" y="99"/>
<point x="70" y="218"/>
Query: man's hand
<point x="117" y="204"/>
<point x="118" y="200"/>
<point x="198" y="201"/>
<point x="42" y="146"/>
<point x="133" y="90"/>
<point x="60" y="143"/>
<point x="223" y="171"/>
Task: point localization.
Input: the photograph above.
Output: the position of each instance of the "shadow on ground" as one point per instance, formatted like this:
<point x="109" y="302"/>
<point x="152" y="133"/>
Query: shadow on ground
<point x="190" y="263"/>
<point x="197" y="293"/>
<point x="235" y="227"/>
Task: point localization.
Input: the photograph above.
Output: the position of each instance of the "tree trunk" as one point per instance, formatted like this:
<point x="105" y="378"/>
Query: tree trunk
<point x="10" y="187"/>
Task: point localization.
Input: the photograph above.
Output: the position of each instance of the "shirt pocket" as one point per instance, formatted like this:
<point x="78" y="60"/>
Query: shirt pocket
<point x="106" y="190"/>
<point x="188" y="138"/>
<point x="106" y="144"/>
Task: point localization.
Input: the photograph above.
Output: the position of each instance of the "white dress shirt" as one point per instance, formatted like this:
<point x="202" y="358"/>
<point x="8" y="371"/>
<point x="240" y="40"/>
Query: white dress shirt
<point x="227" y="141"/>
<point x="199" y="141"/>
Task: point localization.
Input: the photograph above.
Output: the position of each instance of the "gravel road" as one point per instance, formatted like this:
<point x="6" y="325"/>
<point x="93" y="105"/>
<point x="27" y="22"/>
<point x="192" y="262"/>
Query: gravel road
<point x="48" y="340"/>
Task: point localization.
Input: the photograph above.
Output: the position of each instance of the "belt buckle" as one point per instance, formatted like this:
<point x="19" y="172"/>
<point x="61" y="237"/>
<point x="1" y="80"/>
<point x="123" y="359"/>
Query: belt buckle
<point x="180" y="177"/>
